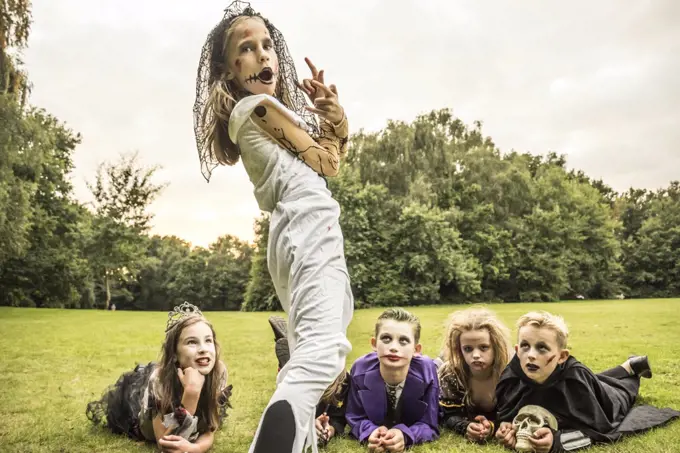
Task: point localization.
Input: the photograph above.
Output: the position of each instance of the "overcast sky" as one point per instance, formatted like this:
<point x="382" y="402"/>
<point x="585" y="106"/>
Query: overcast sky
<point x="597" y="81"/>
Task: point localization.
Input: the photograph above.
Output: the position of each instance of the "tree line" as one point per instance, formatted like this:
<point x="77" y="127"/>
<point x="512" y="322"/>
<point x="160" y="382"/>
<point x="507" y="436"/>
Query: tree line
<point x="431" y="211"/>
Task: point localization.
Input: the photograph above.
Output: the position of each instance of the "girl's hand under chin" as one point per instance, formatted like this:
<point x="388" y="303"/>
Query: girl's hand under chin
<point x="192" y="380"/>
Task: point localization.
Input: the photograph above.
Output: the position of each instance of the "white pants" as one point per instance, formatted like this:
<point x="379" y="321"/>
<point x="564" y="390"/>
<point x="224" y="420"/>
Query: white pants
<point x="307" y="264"/>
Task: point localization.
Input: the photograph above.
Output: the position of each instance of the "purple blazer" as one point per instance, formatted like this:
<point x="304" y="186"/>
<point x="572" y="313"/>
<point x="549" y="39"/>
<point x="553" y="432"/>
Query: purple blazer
<point x="419" y="402"/>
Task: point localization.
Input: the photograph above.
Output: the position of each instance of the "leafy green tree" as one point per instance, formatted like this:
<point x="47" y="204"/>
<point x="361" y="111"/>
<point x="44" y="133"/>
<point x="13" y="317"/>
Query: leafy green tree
<point x="260" y="293"/>
<point x="229" y="268"/>
<point x="20" y="166"/>
<point x="49" y="270"/>
<point x="122" y="193"/>
<point x="156" y="286"/>
<point x="652" y="255"/>
<point x="15" y="25"/>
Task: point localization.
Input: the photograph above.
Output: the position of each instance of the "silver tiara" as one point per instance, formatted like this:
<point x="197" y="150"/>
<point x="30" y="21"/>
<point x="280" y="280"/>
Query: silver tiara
<point x="180" y="312"/>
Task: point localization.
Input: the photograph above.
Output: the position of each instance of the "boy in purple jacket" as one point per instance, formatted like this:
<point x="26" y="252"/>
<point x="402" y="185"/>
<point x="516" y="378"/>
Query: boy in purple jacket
<point x="393" y="399"/>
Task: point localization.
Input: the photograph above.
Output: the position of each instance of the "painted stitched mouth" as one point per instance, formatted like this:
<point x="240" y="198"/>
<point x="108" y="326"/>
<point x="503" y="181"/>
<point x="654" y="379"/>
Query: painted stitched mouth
<point x="265" y="76"/>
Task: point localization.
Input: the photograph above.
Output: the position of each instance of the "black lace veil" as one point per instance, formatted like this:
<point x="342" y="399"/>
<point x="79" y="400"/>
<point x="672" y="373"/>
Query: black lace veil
<point x="210" y="69"/>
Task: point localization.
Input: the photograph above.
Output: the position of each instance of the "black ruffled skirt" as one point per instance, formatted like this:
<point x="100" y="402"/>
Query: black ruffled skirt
<point x="120" y="405"/>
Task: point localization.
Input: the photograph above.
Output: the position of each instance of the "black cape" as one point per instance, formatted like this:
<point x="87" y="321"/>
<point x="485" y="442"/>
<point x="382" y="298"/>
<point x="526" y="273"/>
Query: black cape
<point x="598" y="405"/>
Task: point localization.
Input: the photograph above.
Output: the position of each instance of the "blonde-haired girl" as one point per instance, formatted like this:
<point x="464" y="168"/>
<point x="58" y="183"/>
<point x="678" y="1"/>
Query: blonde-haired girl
<point x="475" y="353"/>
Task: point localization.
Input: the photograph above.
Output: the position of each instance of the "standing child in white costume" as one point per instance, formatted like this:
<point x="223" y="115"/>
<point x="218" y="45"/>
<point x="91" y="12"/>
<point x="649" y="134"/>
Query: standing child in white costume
<point x="249" y="104"/>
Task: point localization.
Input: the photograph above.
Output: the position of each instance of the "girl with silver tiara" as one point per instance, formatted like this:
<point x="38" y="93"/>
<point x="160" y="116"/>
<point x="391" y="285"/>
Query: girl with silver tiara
<point x="178" y="402"/>
<point x="249" y="105"/>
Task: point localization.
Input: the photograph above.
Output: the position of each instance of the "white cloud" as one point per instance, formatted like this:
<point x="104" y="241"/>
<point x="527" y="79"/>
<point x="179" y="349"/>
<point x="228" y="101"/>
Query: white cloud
<point x="596" y="81"/>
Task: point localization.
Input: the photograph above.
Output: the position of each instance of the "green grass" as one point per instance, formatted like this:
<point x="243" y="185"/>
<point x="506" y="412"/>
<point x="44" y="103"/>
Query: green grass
<point x="54" y="361"/>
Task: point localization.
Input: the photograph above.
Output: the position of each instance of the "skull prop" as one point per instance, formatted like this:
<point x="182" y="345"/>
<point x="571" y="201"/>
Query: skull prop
<point x="528" y="421"/>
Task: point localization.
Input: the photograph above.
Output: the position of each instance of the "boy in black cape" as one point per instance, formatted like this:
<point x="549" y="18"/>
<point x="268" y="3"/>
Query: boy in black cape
<point x="589" y="408"/>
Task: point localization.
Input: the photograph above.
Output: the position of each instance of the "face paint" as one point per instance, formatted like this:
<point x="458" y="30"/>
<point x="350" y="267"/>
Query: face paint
<point x="252" y="58"/>
<point x="537" y="350"/>
<point x="475" y="345"/>
<point x="395" y="344"/>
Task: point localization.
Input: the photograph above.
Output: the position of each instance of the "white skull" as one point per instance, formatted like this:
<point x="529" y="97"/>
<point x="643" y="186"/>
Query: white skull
<point x="527" y="422"/>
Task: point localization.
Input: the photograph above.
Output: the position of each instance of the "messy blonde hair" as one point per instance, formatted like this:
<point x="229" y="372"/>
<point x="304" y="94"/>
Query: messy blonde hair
<point x="471" y="319"/>
<point x="167" y="389"/>
<point x="543" y="319"/>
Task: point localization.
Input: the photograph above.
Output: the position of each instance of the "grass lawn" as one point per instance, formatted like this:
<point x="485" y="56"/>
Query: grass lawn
<point x="55" y="361"/>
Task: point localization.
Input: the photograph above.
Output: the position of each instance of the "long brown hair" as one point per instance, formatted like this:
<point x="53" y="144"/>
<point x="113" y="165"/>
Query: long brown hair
<point x="217" y="93"/>
<point x="476" y="318"/>
<point x="225" y="94"/>
<point x="334" y="391"/>
<point x="167" y="388"/>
